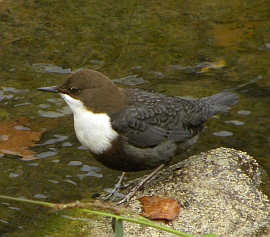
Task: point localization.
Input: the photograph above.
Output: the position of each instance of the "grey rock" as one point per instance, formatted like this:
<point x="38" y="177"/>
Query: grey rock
<point x="220" y="193"/>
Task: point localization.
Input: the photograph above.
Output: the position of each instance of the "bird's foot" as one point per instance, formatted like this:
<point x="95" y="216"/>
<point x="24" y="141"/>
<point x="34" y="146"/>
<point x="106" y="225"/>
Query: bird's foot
<point x="139" y="186"/>
<point x="131" y="194"/>
<point x="114" y="193"/>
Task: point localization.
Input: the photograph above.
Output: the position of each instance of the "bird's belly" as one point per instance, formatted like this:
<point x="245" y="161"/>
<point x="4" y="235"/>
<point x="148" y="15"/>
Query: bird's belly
<point x="125" y="157"/>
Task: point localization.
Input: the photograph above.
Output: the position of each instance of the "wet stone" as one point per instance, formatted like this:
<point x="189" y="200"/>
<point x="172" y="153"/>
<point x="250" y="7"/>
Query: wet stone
<point x="22" y="104"/>
<point x="157" y="74"/>
<point x="235" y="122"/>
<point x="49" y="68"/>
<point x="90" y="174"/>
<point x="75" y="163"/>
<point x="44" y="106"/>
<point x="50" y="114"/>
<point x="55" y="100"/>
<point x="70" y="181"/>
<point x="46" y="154"/>
<point x="15" y="91"/>
<point x="54" y="69"/>
<point x="13" y="175"/>
<point x="21" y="128"/>
<point x="40" y="196"/>
<point x="4" y="137"/>
<point x="67" y="144"/>
<point x="244" y="112"/>
<point x="136" y="68"/>
<point x="267" y="45"/>
<point x="48" y="142"/>
<point x="81" y="148"/>
<point x="15" y="208"/>
<point x="58" y="138"/>
<point x="98" y="62"/>
<point x="88" y="168"/>
<point x="223" y="134"/>
<point x="94" y="174"/>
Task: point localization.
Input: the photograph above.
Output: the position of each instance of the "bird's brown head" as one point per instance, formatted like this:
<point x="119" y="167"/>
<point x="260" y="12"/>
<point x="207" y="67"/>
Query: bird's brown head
<point x="96" y="91"/>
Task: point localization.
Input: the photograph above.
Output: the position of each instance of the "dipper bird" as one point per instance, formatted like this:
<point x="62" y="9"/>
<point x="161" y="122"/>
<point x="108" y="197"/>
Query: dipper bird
<point x="133" y="129"/>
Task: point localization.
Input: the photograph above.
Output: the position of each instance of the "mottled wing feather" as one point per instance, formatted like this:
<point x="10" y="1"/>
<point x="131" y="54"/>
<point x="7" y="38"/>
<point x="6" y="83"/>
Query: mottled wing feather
<point x="153" y="117"/>
<point x="147" y="126"/>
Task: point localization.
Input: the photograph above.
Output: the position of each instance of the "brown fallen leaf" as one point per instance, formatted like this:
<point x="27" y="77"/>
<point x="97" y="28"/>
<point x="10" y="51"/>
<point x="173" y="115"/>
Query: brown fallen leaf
<point x="159" y="208"/>
<point x="15" y="140"/>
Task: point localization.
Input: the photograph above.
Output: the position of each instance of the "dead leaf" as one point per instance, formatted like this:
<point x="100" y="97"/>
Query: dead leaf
<point x="159" y="208"/>
<point x="16" y="138"/>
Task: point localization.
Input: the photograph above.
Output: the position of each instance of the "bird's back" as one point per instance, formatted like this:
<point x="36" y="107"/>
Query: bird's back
<point x="152" y="117"/>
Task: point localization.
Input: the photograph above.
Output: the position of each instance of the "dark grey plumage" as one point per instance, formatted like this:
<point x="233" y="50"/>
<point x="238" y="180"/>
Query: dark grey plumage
<point x="152" y="128"/>
<point x="155" y="127"/>
<point x="153" y="118"/>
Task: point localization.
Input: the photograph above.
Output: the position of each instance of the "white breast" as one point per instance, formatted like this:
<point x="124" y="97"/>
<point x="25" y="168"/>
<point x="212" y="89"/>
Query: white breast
<point x="94" y="131"/>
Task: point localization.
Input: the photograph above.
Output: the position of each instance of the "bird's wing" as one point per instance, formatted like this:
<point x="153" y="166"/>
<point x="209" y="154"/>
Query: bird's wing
<point x="147" y="126"/>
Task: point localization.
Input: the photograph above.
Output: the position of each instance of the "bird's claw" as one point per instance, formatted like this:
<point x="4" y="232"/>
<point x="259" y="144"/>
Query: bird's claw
<point x="115" y="192"/>
<point x="124" y="201"/>
<point x="131" y="194"/>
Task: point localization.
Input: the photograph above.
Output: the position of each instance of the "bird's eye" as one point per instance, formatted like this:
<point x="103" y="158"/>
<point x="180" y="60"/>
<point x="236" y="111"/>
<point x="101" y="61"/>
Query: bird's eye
<point x="74" y="90"/>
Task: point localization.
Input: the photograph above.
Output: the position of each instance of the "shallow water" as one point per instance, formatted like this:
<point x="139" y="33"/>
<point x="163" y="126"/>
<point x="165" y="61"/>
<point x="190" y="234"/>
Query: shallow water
<point x="181" y="48"/>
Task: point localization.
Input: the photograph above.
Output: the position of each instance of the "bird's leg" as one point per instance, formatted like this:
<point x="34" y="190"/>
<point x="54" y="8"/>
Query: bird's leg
<point x="117" y="187"/>
<point x="140" y="185"/>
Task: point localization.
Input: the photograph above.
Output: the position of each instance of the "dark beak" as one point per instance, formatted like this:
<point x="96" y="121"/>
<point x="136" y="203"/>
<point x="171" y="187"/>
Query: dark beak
<point x="48" y="89"/>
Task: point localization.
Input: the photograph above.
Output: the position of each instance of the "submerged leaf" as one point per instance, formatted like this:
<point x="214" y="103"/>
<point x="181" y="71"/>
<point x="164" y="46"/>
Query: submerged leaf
<point x="16" y="141"/>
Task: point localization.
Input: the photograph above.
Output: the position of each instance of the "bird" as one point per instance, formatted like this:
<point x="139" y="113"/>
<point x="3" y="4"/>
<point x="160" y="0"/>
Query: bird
<point x="132" y="129"/>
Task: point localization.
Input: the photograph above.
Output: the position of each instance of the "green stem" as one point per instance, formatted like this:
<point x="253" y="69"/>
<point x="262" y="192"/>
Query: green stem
<point x="119" y="219"/>
<point x="46" y="204"/>
<point x="119" y="230"/>
<point x="142" y="222"/>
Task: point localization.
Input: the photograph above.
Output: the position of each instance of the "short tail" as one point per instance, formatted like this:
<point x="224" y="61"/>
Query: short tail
<point x="221" y="102"/>
<point x="225" y="98"/>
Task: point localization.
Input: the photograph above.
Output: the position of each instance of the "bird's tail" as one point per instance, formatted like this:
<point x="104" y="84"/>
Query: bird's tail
<point x="225" y="98"/>
<point x="221" y="102"/>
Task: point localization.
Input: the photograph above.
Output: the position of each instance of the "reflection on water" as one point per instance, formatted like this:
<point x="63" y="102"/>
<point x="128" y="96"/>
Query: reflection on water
<point x="181" y="48"/>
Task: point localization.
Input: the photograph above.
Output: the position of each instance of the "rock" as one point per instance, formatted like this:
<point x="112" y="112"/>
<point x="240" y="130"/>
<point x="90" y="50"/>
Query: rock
<point x="219" y="192"/>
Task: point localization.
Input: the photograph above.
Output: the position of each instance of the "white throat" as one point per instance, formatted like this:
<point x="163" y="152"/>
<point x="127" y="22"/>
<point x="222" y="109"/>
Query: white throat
<point x="94" y="131"/>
